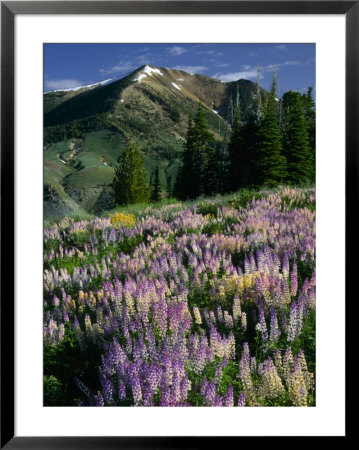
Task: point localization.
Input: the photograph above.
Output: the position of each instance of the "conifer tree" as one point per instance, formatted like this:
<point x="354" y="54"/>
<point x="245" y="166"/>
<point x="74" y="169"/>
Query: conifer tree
<point x="236" y="158"/>
<point x="271" y="162"/>
<point x="190" y="181"/>
<point x="213" y="171"/>
<point x="184" y="183"/>
<point x="156" y="190"/>
<point x="296" y="146"/>
<point x="309" y="116"/>
<point x="129" y="184"/>
<point x="168" y="186"/>
<point x="202" y="153"/>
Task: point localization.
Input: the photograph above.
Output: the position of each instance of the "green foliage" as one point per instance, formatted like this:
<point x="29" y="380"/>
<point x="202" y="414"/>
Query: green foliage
<point x="129" y="184"/>
<point x="52" y="391"/>
<point x="236" y="159"/>
<point x="76" y="128"/>
<point x="271" y="162"/>
<point x="197" y="172"/>
<point x="296" y="145"/>
<point x="309" y="117"/>
<point x="66" y="362"/>
<point x="156" y="188"/>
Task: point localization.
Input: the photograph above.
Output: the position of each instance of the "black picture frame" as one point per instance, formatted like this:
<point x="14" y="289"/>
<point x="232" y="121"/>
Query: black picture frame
<point x="9" y="9"/>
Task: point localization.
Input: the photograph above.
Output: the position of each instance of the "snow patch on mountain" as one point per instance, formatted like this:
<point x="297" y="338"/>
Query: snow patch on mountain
<point x="99" y="83"/>
<point x="147" y="71"/>
<point x="176" y="86"/>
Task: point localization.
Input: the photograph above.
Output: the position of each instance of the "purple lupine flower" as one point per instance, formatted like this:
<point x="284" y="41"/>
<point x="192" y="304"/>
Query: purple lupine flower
<point x="184" y="388"/>
<point x="241" y="399"/>
<point x="294" y="281"/>
<point x="293" y="322"/>
<point x="300" y="307"/>
<point x="108" y="391"/>
<point x="218" y="400"/>
<point x="204" y="385"/>
<point x="121" y="391"/>
<point x="218" y="374"/>
<point x="165" y="399"/>
<point x="210" y="393"/>
<point x="262" y="325"/>
<point x="135" y="387"/>
<point x="285" y="265"/>
<point x="228" y="399"/>
<point x="99" y="401"/>
<point x="274" y="329"/>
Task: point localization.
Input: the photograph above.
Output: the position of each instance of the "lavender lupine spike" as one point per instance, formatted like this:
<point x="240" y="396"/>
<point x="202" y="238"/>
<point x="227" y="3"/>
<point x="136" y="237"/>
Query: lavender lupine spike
<point x="218" y="400"/>
<point x="241" y="399"/>
<point x="274" y="329"/>
<point x="294" y="281"/>
<point x="285" y="265"/>
<point x="210" y="393"/>
<point x="228" y="399"/>
<point x="262" y="325"/>
<point x="99" y="401"/>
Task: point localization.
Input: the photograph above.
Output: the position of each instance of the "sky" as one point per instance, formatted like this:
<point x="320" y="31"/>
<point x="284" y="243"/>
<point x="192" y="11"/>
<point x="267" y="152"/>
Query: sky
<point x="72" y="65"/>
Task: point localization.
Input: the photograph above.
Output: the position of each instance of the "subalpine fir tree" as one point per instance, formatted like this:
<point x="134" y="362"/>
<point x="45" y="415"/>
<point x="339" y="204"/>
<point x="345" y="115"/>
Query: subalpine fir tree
<point x="309" y="116"/>
<point x="236" y="158"/>
<point x="271" y="162"/>
<point x="213" y="173"/>
<point x="169" y="186"/>
<point x="184" y="187"/>
<point x="202" y="152"/>
<point x="129" y="184"/>
<point x="190" y="181"/>
<point x="296" y="146"/>
<point x="156" y="187"/>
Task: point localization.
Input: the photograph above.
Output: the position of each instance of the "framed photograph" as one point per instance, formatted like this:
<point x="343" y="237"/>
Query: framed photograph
<point x="175" y="184"/>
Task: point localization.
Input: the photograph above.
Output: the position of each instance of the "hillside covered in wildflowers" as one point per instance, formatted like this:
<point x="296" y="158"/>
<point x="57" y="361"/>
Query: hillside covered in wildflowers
<point x="204" y="303"/>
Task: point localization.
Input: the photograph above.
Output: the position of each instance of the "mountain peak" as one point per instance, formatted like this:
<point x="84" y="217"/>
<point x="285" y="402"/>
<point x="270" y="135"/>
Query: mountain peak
<point x="145" y="71"/>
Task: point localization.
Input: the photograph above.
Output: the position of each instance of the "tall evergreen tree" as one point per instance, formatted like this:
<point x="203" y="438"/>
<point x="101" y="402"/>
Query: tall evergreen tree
<point x="271" y="162"/>
<point x="169" y="186"/>
<point x="296" y="145"/>
<point x="202" y="153"/>
<point x="309" y="116"/>
<point x="156" y="189"/>
<point x="190" y="181"/>
<point x="213" y="176"/>
<point x="236" y="159"/>
<point x="184" y="187"/>
<point x="129" y="184"/>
